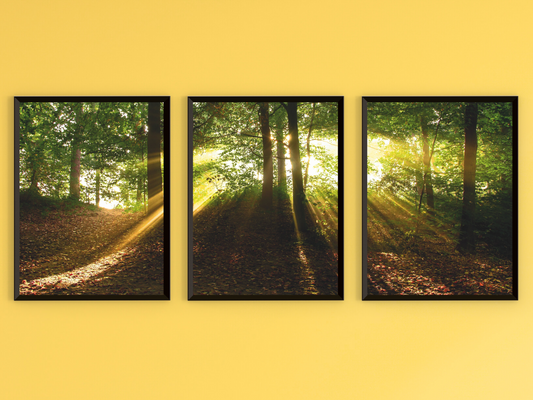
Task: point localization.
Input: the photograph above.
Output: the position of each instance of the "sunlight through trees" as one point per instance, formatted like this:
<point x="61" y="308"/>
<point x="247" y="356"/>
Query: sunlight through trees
<point x="91" y="151"/>
<point x="440" y="196"/>
<point x="283" y="157"/>
<point x="76" y="157"/>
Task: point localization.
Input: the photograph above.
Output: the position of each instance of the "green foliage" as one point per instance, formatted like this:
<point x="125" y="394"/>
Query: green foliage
<point x="281" y="193"/>
<point x="325" y="179"/>
<point x="228" y="160"/>
<point x="134" y="207"/>
<point x="395" y="165"/>
<point x="232" y="130"/>
<point x="370" y="166"/>
<point x="111" y="138"/>
<point x="31" y="200"/>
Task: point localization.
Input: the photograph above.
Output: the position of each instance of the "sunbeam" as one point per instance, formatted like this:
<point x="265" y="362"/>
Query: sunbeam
<point x="198" y="206"/>
<point x="78" y="275"/>
<point x="150" y="221"/>
<point x="89" y="271"/>
<point x="307" y="272"/>
<point x="324" y="211"/>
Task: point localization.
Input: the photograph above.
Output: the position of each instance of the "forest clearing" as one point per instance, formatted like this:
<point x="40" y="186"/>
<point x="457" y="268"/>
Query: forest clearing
<point x="83" y="250"/>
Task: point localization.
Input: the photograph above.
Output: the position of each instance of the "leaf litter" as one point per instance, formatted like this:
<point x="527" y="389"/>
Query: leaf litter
<point x="440" y="273"/>
<point x="240" y="248"/>
<point x="77" y="254"/>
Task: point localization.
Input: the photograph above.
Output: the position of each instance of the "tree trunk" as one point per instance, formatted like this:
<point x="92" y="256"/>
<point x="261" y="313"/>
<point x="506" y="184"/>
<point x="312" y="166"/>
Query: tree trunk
<point x="419" y="176"/>
<point x="140" y="172"/>
<point x="75" y="156"/>
<point x="298" y="195"/>
<point x="139" y="189"/>
<point x="97" y="188"/>
<point x="427" y="166"/>
<point x="467" y="240"/>
<point x="57" y="189"/>
<point x="282" y="173"/>
<point x="308" y="148"/>
<point x="155" y="182"/>
<point x="34" y="185"/>
<point x="268" y="167"/>
<point x="75" y="159"/>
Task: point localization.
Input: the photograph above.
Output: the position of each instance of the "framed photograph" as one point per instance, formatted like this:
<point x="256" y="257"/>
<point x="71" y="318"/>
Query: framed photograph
<point x="265" y="198"/>
<point x="92" y="190"/>
<point x="440" y="198"/>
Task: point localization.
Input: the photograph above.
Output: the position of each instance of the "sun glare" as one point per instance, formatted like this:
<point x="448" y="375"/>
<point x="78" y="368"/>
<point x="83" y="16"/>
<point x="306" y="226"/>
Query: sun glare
<point x="108" y="204"/>
<point x="314" y="167"/>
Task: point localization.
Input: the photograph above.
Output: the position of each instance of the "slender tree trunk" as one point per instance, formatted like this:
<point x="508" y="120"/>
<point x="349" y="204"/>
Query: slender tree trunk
<point x="75" y="156"/>
<point x="58" y="189"/>
<point x="97" y="188"/>
<point x="139" y="188"/>
<point x="427" y="166"/>
<point x="75" y="159"/>
<point x="34" y="185"/>
<point x="298" y="194"/>
<point x="155" y="182"/>
<point x="282" y="173"/>
<point x="419" y="176"/>
<point x="308" y="147"/>
<point x="140" y="172"/>
<point x="467" y="240"/>
<point x="268" y="167"/>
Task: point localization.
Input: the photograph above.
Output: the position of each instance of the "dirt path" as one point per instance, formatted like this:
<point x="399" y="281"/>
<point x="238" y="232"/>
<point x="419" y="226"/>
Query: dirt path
<point x="241" y="249"/>
<point x="85" y="252"/>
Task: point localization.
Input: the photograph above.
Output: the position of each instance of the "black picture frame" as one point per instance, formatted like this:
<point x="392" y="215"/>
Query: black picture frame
<point x="339" y="295"/>
<point x="163" y="213"/>
<point x="382" y="283"/>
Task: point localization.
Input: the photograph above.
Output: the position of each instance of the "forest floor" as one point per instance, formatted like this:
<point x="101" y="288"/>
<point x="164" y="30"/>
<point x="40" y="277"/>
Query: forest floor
<point x="89" y="251"/>
<point x="409" y="258"/>
<point x="241" y="248"/>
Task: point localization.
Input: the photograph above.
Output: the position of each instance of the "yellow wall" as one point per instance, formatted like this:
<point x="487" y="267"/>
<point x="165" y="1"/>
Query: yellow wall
<point x="266" y="350"/>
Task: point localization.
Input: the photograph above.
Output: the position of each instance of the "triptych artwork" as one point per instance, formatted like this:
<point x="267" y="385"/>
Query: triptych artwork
<point x="266" y="198"/>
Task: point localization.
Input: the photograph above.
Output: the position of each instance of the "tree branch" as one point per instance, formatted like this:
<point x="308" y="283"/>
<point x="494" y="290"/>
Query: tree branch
<point x="277" y="108"/>
<point x="254" y="153"/>
<point x="260" y="156"/>
<point x="245" y="134"/>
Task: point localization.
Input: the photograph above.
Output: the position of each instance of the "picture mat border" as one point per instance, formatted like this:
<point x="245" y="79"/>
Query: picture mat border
<point x="323" y="99"/>
<point x="451" y="99"/>
<point x="166" y="194"/>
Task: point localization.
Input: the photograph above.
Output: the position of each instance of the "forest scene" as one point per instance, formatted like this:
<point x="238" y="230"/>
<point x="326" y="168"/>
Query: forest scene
<point x="91" y="197"/>
<point x="440" y="198"/>
<point x="265" y="198"/>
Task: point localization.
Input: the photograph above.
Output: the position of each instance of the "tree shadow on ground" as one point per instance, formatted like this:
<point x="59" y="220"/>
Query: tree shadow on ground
<point x="421" y="258"/>
<point x="249" y="250"/>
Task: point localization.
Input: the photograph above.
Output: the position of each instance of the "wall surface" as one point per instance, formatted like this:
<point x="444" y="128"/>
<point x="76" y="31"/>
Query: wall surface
<point x="266" y="350"/>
